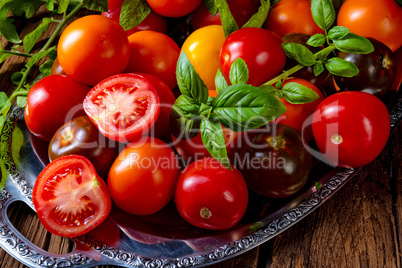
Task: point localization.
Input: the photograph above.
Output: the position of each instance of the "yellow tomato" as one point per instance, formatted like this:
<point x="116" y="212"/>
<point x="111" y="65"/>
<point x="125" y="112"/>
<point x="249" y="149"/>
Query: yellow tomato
<point x="202" y="48"/>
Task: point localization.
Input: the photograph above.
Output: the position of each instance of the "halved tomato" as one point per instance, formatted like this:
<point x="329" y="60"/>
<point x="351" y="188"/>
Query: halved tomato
<point x="124" y="107"/>
<point x="70" y="198"/>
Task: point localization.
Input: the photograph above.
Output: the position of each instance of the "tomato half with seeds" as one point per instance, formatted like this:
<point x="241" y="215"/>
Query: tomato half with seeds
<point x="124" y="107"/>
<point x="70" y="198"/>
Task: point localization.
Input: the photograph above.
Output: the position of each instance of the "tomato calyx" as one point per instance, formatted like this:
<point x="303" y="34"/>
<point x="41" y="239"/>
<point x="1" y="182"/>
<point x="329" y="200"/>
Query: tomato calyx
<point x="336" y="139"/>
<point x="205" y="213"/>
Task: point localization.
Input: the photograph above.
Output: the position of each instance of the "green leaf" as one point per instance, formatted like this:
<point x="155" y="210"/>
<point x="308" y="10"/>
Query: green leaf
<point x="18" y="140"/>
<point x="316" y="40"/>
<point x="31" y="62"/>
<point x="211" y="7"/>
<point x="268" y="88"/>
<point x="318" y="68"/>
<point x="220" y="81"/>
<point x="133" y="12"/>
<point x="338" y="32"/>
<point x="323" y="13"/>
<point x="23" y="7"/>
<point x="4" y="174"/>
<point x="21" y="101"/>
<point x="63" y="6"/>
<point x="31" y="38"/>
<point x="7" y="28"/>
<point x="295" y="93"/>
<point x="189" y="82"/>
<point x="50" y="5"/>
<point x="4" y="56"/>
<point x="238" y="73"/>
<point x="353" y="43"/>
<point x="228" y="23"/>
<point x="258" y="19"/>
<point x="299" y="53"/>
<point x="205" y="110"/>
<point x="214" y="140"/>
<point x="96" y="5"/>
<point x="340" y="67"/>
<point x="46" y="68"/>
<point x="16" y="77"/>
<point x="3" y="99"/>
<point x="243" y="107"/>
<point x="187" y="105"/>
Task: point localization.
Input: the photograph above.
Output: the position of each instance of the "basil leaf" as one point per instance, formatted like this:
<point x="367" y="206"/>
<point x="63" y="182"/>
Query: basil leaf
<point x="187" y="104"/>
<point x="210" y="101"/>
<point x="211" y="7"/>
<point x="318" y="68"/>
<point x="31" y="38"/>
<point x="133" y="12"/>
<point x="205" y="110"/>
<point x="340" y="67"/>
<point x="353" y="43"/>
<point x="338" y="32"/>
<point x="189" y="82"/>
<point x="63" y="6"/>
<point x="31" y="62"/>
<point x="228" y="23"/>
<point x="268" y="89"/>
<point x="183" y="125"/>
<point x="214" y="140"/>
<point x="323" y="13"/>
<point x="258" y="19"/>
<point x="220" y="81"/>
<point x="316" y="40"/>
<point x="238" y="73"/>
<point x="299" y="53"/>
<point x="96" y="5"/>
<point x="3" y="99"/>
<point x="243" y="107"/>
<point x="295" y="93"/>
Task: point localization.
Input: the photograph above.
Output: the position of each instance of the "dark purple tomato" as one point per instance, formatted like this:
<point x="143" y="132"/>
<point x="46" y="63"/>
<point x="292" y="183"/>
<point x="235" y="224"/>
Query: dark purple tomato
<point x="377" y="70"/>
<point x="275" y="162"/>
<point x="81" y="137"/>
<point x="307" y="72"/>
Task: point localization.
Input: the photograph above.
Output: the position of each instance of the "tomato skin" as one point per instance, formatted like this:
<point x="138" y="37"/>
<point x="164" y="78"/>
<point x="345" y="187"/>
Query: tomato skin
<point x="93" y="48"/>
<point x="377" y="19"/>
<point x="211" y="196"/>
<point x="143" y="177"/>
<point x="69" y="190"/>
<point x="81" y="137"/>
<point x="204" y="54"/>
<point x="51" y="102"/>
<point x="291" y="16"/>
<point x="299" y="115"/>
<point x="351" y="128"/>
<point x="56" y="68"/>
<point x="173" y="8"/>
<point x="155" y="53"/>
<point x="124" y="107"/>
<point x="259" y="48"/>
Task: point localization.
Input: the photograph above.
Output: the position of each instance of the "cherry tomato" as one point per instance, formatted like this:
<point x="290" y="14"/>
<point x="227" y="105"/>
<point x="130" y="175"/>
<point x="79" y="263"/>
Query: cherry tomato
<point x="204" y="54"/>
<point x="398" y="79"/>
<point x="56" y="68"/>
<point x="155" y="53"/>
<point x="210" y="196"/>
<point x="93" y="48"/>
<point x="124" y="107"/>
<point x="259" y="48"/>
<point x="69" y="197"/>
<point x="81" y="137"/>
<point x="298" y="116"/>
<point x="292" y="16"/>
<point x="240" y="9"/>
<point x="173" y="8"/>
<point x="377" y="70"/>
<point x="153" y="22"/>
<point x="275" y="162"/>
<point x="351" y="128"/>
<point x="51" y="102"/>
<point x="380" y="19"/>
<point x="142" y="179"/>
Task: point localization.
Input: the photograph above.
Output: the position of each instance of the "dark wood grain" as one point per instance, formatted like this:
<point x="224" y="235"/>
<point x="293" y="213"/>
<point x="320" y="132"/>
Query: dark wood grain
<point x="360" y="226"/>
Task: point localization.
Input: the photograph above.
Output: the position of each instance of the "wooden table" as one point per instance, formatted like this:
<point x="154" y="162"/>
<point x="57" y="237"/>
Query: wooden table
<point x="360" y="226"/>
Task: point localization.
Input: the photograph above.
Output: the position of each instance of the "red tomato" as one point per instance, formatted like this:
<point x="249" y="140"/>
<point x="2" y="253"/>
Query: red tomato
<point x="56" y="68"/>
<point x="93" y="48"/>
<point x="142" y="179"/>
<point x="173" y="8"/>
<point x="298" y="116"/>
<point x="380" y="20"/>
<point x="259" y="48"/>
<point x="53" y="101"/>
<point x="240" y="9"/>
<point x="69" y="197"/>
<point x="155" y="53"/>
<point x="210" y="196"/>
<point x="124" y="107"/>
<point x="167" y="99"/>
<point x="292" y="16"/>
<point x="351" y="128"/>
<point x="153" y="22"/>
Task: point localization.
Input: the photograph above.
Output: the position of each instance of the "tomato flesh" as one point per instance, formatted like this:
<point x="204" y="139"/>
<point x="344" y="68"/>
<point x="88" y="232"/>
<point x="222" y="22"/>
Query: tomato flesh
<point x="124" y="107"/>
<point x="69" y="197"/>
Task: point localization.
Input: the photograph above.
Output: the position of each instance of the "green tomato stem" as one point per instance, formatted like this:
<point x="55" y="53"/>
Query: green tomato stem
<point x="17" y="53"/>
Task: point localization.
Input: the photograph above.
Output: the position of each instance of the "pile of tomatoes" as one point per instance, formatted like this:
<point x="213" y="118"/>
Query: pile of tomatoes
<point x="106" y="112"/>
